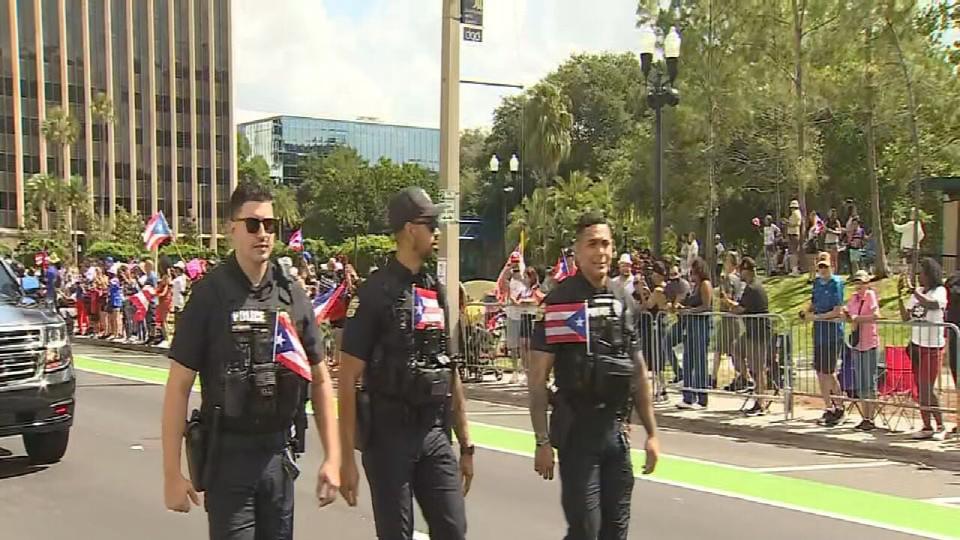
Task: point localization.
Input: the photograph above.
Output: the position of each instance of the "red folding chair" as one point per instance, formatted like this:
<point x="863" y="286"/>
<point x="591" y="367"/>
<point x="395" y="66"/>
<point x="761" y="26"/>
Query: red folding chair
<point x="897" y="388"/>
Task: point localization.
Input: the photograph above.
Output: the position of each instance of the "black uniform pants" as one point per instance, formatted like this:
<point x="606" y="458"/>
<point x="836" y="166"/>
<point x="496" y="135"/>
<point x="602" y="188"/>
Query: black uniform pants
<point x="596" y="477"/>
<point x="403" y="461"/>
<point x="250" y="496"/>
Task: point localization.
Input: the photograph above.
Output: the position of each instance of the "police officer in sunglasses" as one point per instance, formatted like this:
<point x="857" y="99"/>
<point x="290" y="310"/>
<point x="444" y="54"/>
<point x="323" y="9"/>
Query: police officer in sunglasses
<point x="249" y="332"/>
<point x="401" y="418"/>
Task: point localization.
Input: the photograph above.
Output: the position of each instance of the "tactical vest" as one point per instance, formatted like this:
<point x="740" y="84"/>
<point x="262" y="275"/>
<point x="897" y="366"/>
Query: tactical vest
<point x="602" y="372"/>
<point x="255" y="393"/>
<point x="410" y="365"/>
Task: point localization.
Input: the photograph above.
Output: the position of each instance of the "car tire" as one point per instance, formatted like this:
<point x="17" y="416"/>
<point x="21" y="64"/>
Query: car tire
<point x="46" y="448"/>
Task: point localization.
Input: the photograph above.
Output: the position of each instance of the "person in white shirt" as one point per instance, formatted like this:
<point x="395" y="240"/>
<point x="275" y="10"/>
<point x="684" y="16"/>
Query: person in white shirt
<point x="909" y="242"/>
<point x="771" y="235"/>
<point x="623" y="287"/>
<point x="926" y="304"/>
<point x="689" y="253"/>
<point x="179" y="289"/>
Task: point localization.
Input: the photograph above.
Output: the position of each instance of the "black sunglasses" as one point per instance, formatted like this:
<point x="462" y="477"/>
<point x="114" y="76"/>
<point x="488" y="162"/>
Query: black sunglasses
<point x="432" y="223"/>
<point x="253" y="225"/>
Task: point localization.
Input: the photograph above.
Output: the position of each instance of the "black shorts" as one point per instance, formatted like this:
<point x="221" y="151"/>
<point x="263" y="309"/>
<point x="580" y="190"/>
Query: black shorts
<point x="526" y="325"/>
<point x="338" y="323"/>
<point x="826" y="355"/>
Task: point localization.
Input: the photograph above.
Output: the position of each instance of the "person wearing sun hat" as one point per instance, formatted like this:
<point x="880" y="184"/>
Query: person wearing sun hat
<point x="826" y="312"/>
<point x="862" y="310"/>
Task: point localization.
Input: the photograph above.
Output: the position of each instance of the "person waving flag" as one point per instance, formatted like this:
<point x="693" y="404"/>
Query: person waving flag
<point x="296" y="240"/>
<point x="156" y="232"/>
<point x="330" y="303"/>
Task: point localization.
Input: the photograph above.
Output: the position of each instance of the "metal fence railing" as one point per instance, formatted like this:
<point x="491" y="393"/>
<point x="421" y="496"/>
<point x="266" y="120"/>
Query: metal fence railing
<point x="891" y="370"/>
<point x="908" y="370"/>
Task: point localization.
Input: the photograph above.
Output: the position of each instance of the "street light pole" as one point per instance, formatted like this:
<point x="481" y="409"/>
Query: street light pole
<point x="450" y="153"/>
<point x="660" y="92"/>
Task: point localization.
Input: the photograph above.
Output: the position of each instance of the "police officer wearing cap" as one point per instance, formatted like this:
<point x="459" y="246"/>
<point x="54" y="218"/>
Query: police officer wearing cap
<point x="250" y="334"/>
<point x="396" y="337"/>
<point x="598" y="373"/>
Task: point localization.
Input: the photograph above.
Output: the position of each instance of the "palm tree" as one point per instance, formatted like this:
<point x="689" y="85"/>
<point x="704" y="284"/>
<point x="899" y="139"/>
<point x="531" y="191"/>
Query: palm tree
<point x="73" y="195"/>
<point x="547" y="124"/>
<point x="60" y="129"/>
<point x="103" y="115"/>
<point x="285" y="206"/>
<point x="41" y="191"/>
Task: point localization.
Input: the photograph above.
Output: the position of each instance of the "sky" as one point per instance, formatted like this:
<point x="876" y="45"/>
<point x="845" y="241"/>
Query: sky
<point x="345" y="59"/>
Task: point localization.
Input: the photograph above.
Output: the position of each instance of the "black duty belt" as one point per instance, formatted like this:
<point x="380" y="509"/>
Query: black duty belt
<point x="233" y="441"/>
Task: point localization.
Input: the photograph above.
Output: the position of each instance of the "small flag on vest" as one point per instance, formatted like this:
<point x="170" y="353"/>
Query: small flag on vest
<point x="427" y="312"/>
<point x="567" y="323"/>
<point x="288" y="350"/>
<point x="325" y="302"/>
<point x="156" y="232"/>
<point x="296" y="240"/>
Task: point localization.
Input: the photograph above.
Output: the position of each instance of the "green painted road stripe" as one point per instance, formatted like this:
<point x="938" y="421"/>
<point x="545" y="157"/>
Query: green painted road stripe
<point x="909" y="515"/>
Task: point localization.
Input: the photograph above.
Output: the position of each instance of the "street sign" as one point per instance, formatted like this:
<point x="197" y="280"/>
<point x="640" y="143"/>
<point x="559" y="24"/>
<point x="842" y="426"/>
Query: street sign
<point x="471" y="12"/>
<point x="449" y="207"/>
<point x="442" y="269"/>
<point x="473" y="34"/>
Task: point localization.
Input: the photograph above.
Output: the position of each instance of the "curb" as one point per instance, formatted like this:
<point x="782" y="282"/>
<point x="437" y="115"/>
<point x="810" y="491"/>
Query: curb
<point x="946" y="460"/>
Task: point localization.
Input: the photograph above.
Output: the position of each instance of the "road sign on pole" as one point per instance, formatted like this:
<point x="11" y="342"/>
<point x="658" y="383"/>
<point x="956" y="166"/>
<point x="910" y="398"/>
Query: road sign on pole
<point x="449" y="207"/>
<point x="473" y="34"/>
<point x="471" y="12"/>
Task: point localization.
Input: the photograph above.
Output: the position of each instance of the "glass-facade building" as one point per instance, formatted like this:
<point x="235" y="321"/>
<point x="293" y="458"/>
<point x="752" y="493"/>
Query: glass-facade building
<point x="165" y="67"/>
<point x="283" y="140"/>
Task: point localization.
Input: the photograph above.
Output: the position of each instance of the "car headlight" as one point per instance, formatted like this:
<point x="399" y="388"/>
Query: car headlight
<point x="54" y="341"/>
<point x="55" y="336"/>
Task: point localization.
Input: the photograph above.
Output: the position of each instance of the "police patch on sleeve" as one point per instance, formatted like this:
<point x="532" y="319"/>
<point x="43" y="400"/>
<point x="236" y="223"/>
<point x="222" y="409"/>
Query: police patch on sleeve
<point x="352" y="308"/>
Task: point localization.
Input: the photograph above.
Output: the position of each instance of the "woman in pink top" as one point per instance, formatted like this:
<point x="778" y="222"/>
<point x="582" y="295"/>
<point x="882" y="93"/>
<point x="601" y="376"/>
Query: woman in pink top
<point x="862" y="310"/>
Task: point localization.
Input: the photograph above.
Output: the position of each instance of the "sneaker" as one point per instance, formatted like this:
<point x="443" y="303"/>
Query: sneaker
<point x="866" y="425"/>
<point x="164" y="344"/>
<point x="832" y="417"/>
<point x="756" y="410"/>
<point x="684" y="406"/>
<point x="924" y="434"/>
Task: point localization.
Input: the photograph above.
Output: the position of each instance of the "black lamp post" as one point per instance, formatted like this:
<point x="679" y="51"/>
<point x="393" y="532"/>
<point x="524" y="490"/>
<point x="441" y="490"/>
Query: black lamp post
<point x="514" y="169"/>
<point x="660" y="92"/>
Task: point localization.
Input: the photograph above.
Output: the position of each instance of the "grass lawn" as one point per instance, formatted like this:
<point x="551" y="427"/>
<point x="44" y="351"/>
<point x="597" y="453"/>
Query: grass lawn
<point x="789" y="295"/>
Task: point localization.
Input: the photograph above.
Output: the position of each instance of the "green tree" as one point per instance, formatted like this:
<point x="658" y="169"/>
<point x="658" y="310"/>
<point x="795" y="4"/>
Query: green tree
<point x="547" y="123"/>
<point x="128" y="228"/>
<point x="103" y="115"/>
<point x="41" y="194"/>
<point x="286" y="208"/>
<point x="251" y="168"/>
<point x="61" y="130"/>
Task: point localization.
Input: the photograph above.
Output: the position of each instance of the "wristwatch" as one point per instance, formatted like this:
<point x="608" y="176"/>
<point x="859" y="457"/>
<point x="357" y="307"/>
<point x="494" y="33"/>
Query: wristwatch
<point x="468" y="450"/>
<point x="543" y="440"/>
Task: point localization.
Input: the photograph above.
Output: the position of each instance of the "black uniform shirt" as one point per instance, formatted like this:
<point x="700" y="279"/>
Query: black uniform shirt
<point x="207" y="311"/>
<point x="370" y="310"/>
<point x="575" y="289"/>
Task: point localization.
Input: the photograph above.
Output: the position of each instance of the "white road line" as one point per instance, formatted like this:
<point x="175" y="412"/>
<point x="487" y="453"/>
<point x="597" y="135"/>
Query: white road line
<point x="949" y="501"/>
<point x="417" y="535"/>
<point x="499" y="413"/>
<point x="825" y="467"/>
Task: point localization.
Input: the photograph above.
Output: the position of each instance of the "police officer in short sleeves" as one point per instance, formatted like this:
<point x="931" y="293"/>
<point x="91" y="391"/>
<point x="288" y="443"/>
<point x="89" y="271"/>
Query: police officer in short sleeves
<point x="238" y="318"/>
<point x="396" y="338"/>
<point x="584" y="340"/>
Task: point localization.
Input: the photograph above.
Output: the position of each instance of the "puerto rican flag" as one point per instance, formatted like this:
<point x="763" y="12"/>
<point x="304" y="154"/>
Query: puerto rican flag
<point x="141" y="300"/>
<point x="562" y="271"/>
<point x="287" y="348"/>
<point x="156" y="232"/>
<point x="329" y="303"/>
<point x="427" y="312"/>
<point x="567" y="323"/>
<point x="296" y="240"/>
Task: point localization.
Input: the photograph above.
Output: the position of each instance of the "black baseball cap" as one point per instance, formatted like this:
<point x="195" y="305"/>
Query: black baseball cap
<point x="410" y="204"/>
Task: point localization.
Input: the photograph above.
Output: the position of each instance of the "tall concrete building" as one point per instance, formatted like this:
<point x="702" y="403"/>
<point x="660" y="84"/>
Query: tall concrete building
<point x="166" y="67"/>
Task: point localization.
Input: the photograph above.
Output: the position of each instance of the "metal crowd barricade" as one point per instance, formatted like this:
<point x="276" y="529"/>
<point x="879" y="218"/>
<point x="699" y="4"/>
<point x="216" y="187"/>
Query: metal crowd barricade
<point x="747" y="356"/>
<point x="495" y="340"/>
<point x="908" y="371"/>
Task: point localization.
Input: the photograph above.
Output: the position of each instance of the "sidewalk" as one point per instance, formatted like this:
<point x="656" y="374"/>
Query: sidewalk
<point x="724" y="417"/>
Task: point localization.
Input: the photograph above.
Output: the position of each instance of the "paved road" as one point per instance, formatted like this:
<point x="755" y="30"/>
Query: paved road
<point x="108" y="486"/>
